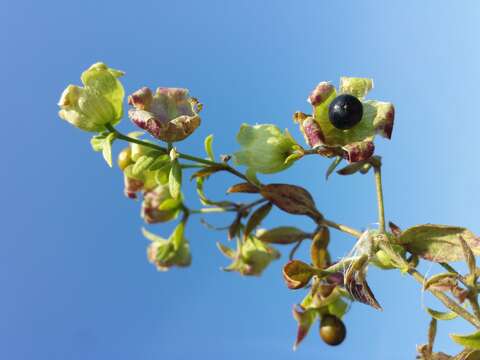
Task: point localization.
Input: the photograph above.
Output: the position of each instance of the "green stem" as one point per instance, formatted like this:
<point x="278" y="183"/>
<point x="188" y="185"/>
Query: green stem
<point x="210" y="210"/>
<point x="343" y="228"/>
<point x="381" y="209"/>
<point x="227" y="167"/>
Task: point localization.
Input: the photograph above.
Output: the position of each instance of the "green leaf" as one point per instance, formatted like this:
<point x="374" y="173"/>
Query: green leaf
<point x="142" y="164"/>
<point x="161" y="160"/>
<point x="203" y="198"/>
<point x="208" y="147"/>
<point x="439" y="243"/>
<point x="471" y="341"/>
<point x="256" y="218"/>
<point x="107" y="148"/>
<point x="97" y="142"/>
<point x="294" y="157"/>
<point x="333" y="166"/>
<point x="175" y="180"/>
<point x="153" y="237"/>
<point x="226" y="251"/>
<point x="176" y="237"/>
<point x="338" y="308"/>
<point x="439" y="315"/>
<point x="352" y="168"/>
<point x="169" y="204"/>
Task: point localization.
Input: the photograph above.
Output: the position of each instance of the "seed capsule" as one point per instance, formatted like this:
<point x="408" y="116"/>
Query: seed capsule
<point x="345" y="111"/>
<point x="332" y="330"/>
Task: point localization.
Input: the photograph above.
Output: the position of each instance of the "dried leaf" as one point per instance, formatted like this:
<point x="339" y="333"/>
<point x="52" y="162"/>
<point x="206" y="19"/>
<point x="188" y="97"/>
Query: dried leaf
<point x="318" y="249"/>
<point x="256" y="218"/>
<point x="207" y="171"/>
<point x="305" y="319"/>
<point x="439" y="243"/>
<point x="297" y="274"/>
<point x="291" y="199"/>
<point x="243" y="188"/>
<point x="469" y="258"/>
<point x="282" y="235"/>
<point x="394" y="229"/>
<point x="235" y="227"/>
<point x="361" y="292"/>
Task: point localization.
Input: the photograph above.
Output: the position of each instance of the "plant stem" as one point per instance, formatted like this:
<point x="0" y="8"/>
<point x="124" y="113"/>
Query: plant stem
<point x="378" y="185"/>
<point x="446" y="300"/>
<point x="473" y="300"/>
<point x="227" y="167"/>
<point x="210" y="210"/>
<point x="344" y="228"/>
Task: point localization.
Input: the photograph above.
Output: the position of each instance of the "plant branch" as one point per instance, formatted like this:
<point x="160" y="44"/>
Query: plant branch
<point x="343" y="228"/>
<point x="446" y="300"/>
<point x="380" y="205"/>
<point x="227" y="167"/>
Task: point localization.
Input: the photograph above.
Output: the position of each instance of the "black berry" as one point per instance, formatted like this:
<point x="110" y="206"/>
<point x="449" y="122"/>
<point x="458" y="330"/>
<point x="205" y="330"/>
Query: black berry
<point x="345" y="111"/>
<point x="332" y="330"/>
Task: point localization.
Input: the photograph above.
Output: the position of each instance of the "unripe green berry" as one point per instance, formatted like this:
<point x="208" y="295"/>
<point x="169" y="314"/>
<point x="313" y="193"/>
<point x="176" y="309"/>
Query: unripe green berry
<point x="332" y="330"/>
<point x="124" y="158"/>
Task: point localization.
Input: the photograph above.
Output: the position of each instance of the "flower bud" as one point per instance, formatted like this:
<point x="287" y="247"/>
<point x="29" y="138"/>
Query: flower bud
<point x="159" y="206"/>
<point x="167" y="253"/>
<point x="265" y="149"/>
<point x="251" y="257"/>
<point x="96" y="104"/>
<point x="169" y="115"/>
<point x="132" y="186"/>
<point x="124" y="158"/>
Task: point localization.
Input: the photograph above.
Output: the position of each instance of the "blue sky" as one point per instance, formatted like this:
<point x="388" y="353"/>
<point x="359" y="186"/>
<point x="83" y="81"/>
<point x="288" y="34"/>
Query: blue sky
<point x="74" y="279"/>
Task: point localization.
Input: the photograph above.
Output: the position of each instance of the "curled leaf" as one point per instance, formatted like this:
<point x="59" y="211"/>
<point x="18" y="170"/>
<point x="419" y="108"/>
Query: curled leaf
<point x="208" y="147"/>
<point x="297" y="274"/>
<point x="305" y="319"/>
<point x="318" y="249"/>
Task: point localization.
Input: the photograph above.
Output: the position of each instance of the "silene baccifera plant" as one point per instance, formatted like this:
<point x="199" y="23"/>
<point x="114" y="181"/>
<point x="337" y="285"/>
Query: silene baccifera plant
<point x="342" y="127"/>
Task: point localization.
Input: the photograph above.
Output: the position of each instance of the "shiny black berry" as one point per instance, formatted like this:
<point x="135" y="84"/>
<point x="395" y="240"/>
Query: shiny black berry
<point x="332" y="330"/>
<point x="345" y="111"/>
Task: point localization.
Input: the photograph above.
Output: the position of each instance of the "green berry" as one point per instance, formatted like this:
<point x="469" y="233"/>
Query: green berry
<point x="332" y="330"/>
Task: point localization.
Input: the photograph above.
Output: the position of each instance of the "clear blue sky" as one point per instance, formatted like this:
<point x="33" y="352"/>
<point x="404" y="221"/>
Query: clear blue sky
<point x="75" y="283"/>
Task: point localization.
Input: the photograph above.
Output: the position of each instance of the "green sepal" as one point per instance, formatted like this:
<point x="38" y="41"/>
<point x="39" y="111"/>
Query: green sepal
<point x="175" y="179"/>
<point x="439" y="315"/>
<point x="208" y="147"/>
<point x="471" y="341"/>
